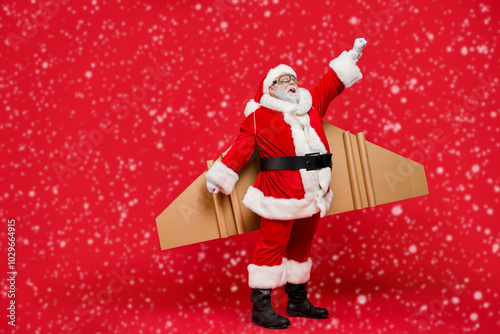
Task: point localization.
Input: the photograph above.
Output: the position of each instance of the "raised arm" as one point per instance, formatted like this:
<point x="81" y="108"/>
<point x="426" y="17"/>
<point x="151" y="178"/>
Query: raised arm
<point x="343" y="74"/>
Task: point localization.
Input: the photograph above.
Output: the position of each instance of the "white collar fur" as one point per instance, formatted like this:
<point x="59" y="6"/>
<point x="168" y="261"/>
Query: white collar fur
<point x="305" y="103"/>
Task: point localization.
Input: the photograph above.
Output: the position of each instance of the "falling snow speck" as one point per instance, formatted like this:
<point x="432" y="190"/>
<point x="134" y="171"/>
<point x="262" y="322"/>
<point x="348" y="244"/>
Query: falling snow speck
<point x="397" y="210"/>
<point x="361" y="299"/>
<point x="412" y="249"/>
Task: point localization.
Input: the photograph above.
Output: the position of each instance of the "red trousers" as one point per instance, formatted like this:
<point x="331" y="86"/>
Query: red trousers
<point x="282" y="252"/>
<point x="285" y="238"/>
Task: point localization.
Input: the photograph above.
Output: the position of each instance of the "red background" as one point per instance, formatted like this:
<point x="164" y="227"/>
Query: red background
<point x="424" y="265"/>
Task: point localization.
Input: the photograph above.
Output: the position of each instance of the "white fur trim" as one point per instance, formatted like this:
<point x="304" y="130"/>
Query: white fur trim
<point x="273" y="74"/>
<point x="222" y="176"/>
<point x="325" y="202"/>
<point x="347" y="70"/>
<point x="279" y="208"/>
<point x="304" y="105"/>
<point x="315" y="182"/>
<point x="251" y="107"/>
<point x="297" y="272"/>
<point x="266" y="277"/>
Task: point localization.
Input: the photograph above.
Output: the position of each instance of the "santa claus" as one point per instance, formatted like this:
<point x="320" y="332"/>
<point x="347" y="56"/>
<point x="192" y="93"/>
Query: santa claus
<point x="292" y="190"/>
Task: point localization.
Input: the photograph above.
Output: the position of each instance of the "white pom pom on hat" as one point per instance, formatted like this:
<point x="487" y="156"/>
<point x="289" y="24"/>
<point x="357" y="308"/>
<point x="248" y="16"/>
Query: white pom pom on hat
<point x="273" y="74"/>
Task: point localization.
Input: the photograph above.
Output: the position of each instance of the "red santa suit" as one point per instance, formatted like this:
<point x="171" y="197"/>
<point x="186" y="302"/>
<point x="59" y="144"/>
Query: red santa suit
<point x="290" y="202"/>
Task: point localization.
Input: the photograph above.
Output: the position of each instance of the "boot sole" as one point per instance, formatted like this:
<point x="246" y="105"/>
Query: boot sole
<point x="298" y="314"/>
<point x="271" y="327"/>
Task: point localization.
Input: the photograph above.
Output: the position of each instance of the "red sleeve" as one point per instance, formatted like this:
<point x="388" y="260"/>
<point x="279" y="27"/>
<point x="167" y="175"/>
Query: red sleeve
<point x="243" y="147"/>
<point x="327" y="89"/>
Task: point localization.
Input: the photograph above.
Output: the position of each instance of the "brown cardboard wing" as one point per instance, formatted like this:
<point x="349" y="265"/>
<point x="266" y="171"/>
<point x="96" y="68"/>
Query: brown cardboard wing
<point x="363" y="175"/>
<point x="192" y="216"/>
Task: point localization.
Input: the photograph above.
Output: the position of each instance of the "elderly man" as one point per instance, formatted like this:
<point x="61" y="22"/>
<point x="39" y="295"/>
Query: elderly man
<point x="292" y="191"/>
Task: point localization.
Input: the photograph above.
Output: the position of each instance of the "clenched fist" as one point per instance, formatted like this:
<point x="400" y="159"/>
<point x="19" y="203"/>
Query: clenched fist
<point x="359" y="44"/>
<point x="212" y="187"/>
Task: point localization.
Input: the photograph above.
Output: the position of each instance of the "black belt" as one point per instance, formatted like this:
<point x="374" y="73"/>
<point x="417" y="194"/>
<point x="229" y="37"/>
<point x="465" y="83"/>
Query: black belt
<point x="310" y="162"/>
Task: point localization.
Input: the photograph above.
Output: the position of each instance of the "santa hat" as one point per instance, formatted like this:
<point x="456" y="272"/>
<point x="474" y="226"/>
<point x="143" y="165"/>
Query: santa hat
<point x="265" y="83"/>
<point x="273" y="74"/>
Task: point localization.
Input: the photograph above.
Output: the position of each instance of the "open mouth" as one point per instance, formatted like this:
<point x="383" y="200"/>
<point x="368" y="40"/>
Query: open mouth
<point x="292" y="90"/>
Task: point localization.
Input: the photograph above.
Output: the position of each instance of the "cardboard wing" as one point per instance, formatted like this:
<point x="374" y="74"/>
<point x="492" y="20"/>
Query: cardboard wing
<point x="363" y="175"/>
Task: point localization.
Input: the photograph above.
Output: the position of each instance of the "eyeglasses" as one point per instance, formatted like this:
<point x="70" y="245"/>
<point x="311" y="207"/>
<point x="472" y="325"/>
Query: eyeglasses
<point x="285" y="78"/>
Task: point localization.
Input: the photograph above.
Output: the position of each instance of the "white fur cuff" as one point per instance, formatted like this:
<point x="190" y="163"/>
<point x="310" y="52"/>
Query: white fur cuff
<point x="297" y="272"/>
<point x="266" y="277"/>
<point x="222" y="176"/>
<point x="346" y="69"/>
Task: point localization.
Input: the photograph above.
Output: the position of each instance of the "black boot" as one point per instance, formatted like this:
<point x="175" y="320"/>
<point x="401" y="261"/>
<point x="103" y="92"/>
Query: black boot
<point x="298" y="304"/>
<point x="263" y="313"/>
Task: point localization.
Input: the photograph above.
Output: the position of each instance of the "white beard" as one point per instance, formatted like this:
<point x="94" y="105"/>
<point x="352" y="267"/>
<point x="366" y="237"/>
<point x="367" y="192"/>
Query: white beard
<point x="284" y="94"/>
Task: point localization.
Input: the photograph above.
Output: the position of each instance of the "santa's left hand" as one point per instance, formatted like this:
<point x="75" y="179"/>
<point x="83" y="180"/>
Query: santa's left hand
<point x="359" y="44"/>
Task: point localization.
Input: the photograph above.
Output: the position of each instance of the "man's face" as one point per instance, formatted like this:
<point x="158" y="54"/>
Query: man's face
<point x="286" y="88"/>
